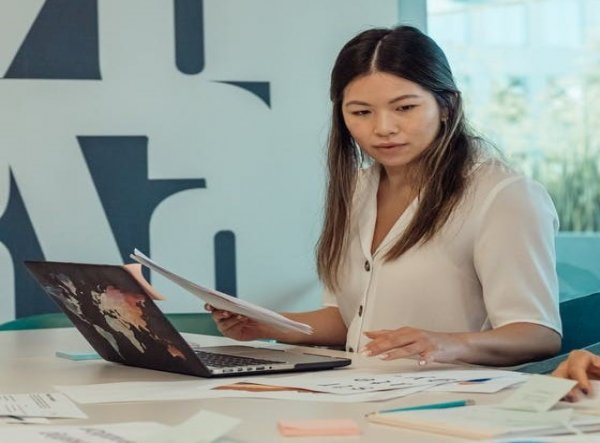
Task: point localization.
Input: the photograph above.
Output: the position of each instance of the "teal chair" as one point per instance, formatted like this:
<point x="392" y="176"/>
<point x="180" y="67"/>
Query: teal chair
<point x="200" y="323"/>
<point x="581" y="327"/>
<point x="581" y="330"/>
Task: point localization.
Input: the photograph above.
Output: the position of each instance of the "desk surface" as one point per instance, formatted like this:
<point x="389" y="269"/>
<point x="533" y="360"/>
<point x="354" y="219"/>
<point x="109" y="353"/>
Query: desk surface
<point x="28" y="364"/>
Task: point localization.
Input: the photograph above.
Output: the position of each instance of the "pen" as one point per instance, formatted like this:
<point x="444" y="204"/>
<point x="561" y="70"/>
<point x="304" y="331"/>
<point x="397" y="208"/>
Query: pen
<point x="445" y="405"/>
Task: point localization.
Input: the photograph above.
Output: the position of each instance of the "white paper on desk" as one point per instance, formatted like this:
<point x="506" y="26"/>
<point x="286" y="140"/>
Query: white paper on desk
<point x="203" y="427"/>
<point x="481" y="422"/>
<point x="49" y="405"/>
<point x="488" y="386"/>
<point x="110" y="433"/>
<point x="352" y="381"/>
<point x="538" y="394"/>
<point x="185" y="390"/>
<point x="311" y="396"/>
<point x="341" y="384"/>
<point x="585" y="438"/>
<point x="137" y="391"/>
<point x="223" y="301"/>
<point x="25" y="421"/>
<point x="586" y="404"/>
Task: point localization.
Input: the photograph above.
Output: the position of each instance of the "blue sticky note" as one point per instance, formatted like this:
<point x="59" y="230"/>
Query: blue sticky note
<point x="78" y="356"/>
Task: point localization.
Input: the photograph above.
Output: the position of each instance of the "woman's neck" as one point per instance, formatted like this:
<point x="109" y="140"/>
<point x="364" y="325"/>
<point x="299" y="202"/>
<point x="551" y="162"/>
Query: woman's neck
<point x="401" y="178"/>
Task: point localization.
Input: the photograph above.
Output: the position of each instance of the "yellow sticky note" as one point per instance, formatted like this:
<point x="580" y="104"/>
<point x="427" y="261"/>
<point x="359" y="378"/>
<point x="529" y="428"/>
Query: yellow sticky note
<point x="313" y="428"/>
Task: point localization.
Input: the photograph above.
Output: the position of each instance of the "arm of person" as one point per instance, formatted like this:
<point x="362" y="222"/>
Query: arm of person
<point x="503" y="346"/>
<point x="327" y="323"/>
<point x="580" y="366"/>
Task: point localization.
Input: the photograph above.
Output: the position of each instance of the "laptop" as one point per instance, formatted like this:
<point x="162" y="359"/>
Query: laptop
<point x="124" y="325"/>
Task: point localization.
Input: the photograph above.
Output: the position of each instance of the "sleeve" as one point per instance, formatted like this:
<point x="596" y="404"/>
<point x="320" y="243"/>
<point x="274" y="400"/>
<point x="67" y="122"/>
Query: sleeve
<point x="514" y="254"/>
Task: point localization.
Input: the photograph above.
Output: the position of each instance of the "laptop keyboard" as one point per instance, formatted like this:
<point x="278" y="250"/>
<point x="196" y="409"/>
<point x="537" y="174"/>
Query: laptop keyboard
<point x="229" y="361"/>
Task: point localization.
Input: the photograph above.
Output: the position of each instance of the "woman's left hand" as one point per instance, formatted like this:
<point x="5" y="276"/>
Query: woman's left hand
<point x="406" y="342"/>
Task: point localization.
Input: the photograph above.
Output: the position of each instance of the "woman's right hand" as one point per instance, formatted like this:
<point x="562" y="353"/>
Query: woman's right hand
<point x="237" y="326"/>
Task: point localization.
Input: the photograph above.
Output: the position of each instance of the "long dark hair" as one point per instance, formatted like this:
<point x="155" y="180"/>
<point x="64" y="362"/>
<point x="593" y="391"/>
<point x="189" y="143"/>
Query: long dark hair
<point x="408" y="53"/>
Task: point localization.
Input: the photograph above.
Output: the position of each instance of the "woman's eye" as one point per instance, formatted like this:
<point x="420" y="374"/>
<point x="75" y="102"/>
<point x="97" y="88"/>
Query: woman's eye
<point x="405" y="108"/>
<point x="361" y="112"/>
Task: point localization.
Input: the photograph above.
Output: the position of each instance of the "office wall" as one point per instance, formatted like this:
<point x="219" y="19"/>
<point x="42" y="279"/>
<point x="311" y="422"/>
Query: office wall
<point x="192" y="130"/>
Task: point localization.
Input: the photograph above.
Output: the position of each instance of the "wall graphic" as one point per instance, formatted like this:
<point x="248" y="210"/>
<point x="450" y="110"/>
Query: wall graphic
<point x="192" y="130"/>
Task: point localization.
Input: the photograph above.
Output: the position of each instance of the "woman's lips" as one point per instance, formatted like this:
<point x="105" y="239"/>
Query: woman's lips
<point x="390" y="145"/>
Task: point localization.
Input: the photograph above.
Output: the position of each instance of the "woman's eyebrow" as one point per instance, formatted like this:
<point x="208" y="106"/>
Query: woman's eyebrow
<point x="403" y="97"/>
<point x="392" y="101"/>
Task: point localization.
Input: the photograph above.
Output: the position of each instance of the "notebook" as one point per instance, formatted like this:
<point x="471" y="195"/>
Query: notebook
<point x="489" y="422"/>
<point x="120" y="320"/>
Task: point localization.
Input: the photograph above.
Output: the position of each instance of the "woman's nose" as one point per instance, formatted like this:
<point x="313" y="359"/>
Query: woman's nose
<point x="386" y="124"/>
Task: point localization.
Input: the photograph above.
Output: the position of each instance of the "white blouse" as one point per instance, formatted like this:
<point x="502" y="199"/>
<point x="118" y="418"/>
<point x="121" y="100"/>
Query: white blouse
<point x="492" y="263"/>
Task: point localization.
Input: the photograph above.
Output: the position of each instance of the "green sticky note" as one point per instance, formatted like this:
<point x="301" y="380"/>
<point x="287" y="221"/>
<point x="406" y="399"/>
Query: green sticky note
<point x="78" y="356"/>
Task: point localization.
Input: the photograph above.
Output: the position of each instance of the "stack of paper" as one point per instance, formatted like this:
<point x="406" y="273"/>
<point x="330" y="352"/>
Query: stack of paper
<point x="225" y="302"/>
<point x="583" y="438"/>
<point x="342" y="386"/>
<point x="524" y="413"/>
<point x="486" y="422"/>
<point x="133" y="432"/>
<point x="202" y="427"/>
<point x="23" y="407"/>
<point x="351" y="381"/>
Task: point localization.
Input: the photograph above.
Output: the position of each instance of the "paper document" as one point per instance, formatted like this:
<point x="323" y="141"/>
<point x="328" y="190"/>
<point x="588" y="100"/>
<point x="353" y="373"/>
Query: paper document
<point x="14" y="420"/>
<point x="137" y="391"/>
<point x="353" y="381"/>
<point x="49" y="405"/>
<point x="203" y="427"/>
<point x="223" y="301"/>
<point x="483" y="385"/>
<point x="587" y="404"/>
<point x="487" y="422"/>
<point x="538" y="394"/>
<point x="111" y="433"/>
<point x="342" y="384"/>
<point x="583" y="438"/>
<point x="205" y="389"/>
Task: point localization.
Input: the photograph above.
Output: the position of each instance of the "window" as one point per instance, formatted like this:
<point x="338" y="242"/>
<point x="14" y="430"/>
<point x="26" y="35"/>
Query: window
<point x="530" y="74"/>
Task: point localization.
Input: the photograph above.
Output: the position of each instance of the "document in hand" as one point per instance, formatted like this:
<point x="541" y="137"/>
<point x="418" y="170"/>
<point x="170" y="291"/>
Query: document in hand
<point x="487" y="422"/>
<point x="225" y="302"/>
<point x="586" y="404"/>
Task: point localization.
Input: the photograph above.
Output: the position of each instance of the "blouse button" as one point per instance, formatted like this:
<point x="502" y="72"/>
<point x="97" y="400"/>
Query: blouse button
<point x="360" y="310"/>
<point x="367" y="266"/>
<point x="350" y="349"/>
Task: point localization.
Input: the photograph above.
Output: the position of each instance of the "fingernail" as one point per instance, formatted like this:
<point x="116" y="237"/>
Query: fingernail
<point x="366" y="352"/>
<point x="422" y="362"/>
<point x="383" y="356"/>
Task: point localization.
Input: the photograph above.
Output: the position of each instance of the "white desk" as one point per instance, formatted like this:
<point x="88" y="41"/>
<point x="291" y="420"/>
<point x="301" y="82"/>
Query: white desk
<point x="28" y="364"/>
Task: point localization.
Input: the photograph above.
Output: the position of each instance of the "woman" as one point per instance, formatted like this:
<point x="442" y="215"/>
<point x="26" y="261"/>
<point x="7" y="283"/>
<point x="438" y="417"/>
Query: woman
<point x="430" y="248"/>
